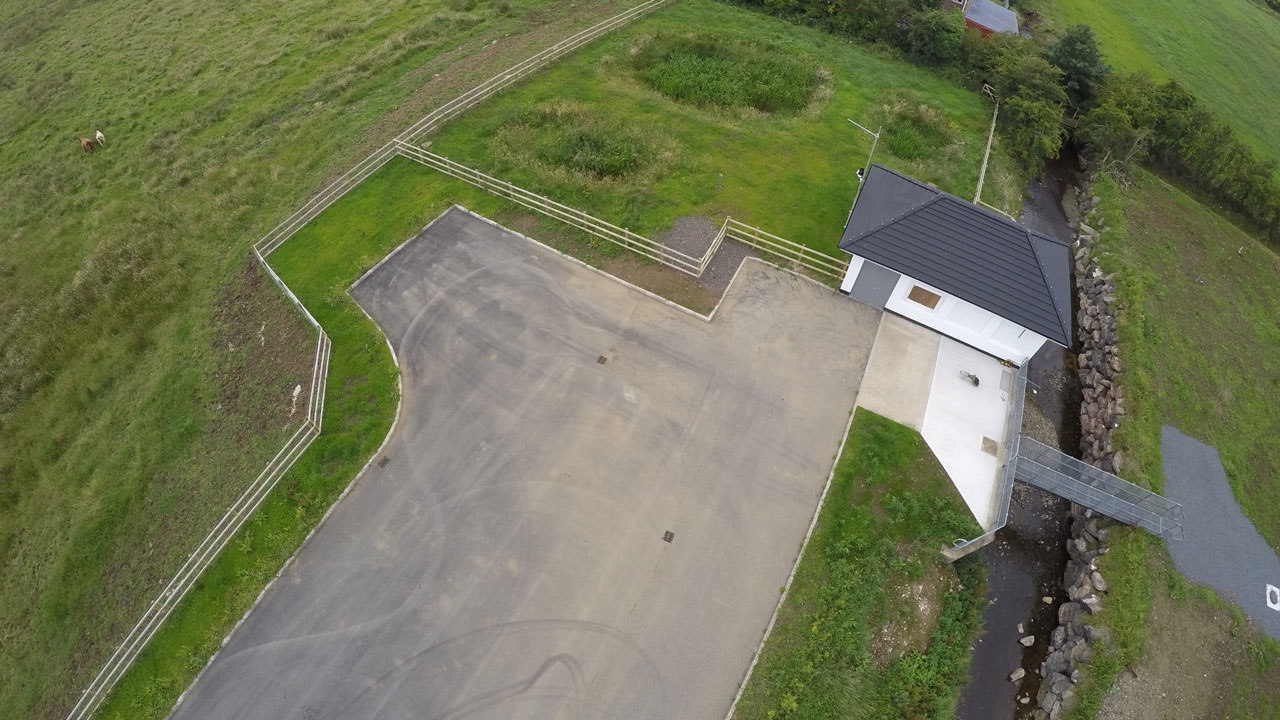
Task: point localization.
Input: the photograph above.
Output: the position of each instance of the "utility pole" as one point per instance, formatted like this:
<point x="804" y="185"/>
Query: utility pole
<point x="875" y="138"/>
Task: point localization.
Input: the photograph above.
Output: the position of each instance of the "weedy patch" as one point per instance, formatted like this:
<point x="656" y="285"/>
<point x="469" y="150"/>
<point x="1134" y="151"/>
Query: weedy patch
<point x="569" y="140"/>
<point x="915" y="131"/>
<point x="709" y="71"/>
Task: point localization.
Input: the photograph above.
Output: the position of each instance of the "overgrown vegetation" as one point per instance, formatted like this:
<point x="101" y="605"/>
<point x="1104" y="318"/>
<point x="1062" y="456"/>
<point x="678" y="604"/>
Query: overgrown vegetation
<point x="710" y="71"/>
<point x="872" y="572"/>
<point x="561" y="137"/>
<point x="1226" y="52"/>
<point x="1134" y="117"/>
<point x="137" y="397"/>
<point x="789" y="173"/>
<point x="914" y="130"/>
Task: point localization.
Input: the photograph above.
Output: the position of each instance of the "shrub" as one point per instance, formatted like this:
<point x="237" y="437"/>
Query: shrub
<point x="1033" y="128"/>
<point x="712" y="72"/>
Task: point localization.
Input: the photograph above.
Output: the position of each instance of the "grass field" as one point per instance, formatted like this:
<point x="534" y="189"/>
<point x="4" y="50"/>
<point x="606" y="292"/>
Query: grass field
<point x="875" y="626"/>
<point x="651" y="124"/>
<point x="1227" y="52"/>
<point x="145" y="369"/>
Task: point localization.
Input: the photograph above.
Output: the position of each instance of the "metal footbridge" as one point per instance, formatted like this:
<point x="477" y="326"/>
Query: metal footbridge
<point x="1053" y="471"/>
<point x="1031" y="462"/>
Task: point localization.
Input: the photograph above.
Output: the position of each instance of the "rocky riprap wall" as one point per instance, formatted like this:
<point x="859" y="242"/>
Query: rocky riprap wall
<point x="1071" y="644"/>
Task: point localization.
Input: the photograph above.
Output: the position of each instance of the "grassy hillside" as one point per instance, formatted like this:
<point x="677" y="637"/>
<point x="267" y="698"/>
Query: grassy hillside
<point x="1200" y="340"/>
<point x="1226" y="51"/>
<point x="145" y="370"/>
<point x="664" y="119"/>
<point x="875" y="626"/>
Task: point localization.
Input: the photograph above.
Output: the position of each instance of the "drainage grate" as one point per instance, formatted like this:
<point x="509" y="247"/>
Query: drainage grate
<point x="668" y="536"/>
<point x="602" y="360"/>
<point x="383" y="462"/>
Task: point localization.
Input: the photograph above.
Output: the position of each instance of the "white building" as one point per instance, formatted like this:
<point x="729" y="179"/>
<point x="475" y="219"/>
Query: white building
<point x="949" y="265"/>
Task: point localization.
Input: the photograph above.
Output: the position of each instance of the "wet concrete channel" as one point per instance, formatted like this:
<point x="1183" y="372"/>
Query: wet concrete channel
<point x="1027" y="560"/>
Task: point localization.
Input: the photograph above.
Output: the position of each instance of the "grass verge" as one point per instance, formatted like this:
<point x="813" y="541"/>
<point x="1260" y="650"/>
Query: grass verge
<point x="875" y="626"/>
<point x="789" y="170"/>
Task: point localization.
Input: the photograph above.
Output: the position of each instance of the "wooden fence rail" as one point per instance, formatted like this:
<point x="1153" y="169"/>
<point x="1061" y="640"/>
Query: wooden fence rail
<point x="780" y="251"/>
<point x="577" y="218"/>
<point x="153" y="618"/>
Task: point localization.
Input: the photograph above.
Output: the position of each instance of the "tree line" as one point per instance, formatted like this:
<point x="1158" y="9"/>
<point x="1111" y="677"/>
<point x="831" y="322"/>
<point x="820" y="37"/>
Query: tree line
<point x="1123" y="118"/>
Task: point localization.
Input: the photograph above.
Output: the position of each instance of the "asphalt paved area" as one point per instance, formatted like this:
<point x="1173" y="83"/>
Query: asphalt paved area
<point x="509" y="558"/>
<point x="1220" y="547"/>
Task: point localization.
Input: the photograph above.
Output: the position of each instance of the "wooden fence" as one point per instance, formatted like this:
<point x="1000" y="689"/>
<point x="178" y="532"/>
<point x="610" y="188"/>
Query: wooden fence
<point x="433" y="120"/>
<point x="780" y="251"/>
<point x="136" y="640"/>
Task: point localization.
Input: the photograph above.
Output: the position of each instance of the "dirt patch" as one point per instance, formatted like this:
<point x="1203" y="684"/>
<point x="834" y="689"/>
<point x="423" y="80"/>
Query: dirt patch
<point x="662" y="281"/>
<point x="692" y="236"/>
<point x="265" y="356"/>
<point x="915" y="609"/>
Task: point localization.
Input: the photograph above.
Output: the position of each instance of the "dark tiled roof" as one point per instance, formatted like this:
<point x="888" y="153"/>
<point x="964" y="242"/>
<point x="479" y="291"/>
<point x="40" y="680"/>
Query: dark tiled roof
<point x="958" y="247"/>
<point x="993" y="16"/>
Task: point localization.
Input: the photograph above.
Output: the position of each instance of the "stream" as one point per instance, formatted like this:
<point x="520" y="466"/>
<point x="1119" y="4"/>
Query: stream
<point x="1026" y="562"/>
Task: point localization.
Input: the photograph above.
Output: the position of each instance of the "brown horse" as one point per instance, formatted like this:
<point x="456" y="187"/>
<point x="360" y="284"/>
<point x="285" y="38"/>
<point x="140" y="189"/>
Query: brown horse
<point x="86" y="144"/>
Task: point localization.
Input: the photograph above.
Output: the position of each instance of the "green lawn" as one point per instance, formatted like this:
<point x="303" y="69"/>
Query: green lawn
<point x="1226" y="51"/>
<point x="875" y="626"/>
<point x="641" y="145"/>
<point x="137" y="396"/>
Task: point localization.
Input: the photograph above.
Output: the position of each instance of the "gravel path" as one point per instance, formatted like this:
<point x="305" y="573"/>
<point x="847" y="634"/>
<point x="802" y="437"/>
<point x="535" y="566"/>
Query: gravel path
<point x="1220" y="548"/>
<point x="692" y="235"/>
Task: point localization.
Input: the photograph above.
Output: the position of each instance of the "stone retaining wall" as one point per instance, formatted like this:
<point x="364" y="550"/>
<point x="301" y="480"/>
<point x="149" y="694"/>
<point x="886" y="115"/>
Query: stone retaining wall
<point x="1102" y="406"/>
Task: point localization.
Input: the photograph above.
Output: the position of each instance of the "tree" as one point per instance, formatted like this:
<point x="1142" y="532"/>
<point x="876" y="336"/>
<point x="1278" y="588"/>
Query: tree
<point x="1012" y="66"/>
<point x="935" y="36"/>
<point x="1033" y="128"/>
<point x="1075" y="53"/>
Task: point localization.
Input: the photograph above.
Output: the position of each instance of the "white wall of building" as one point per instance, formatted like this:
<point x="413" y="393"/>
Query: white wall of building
<point x="967" y="323"/>
<point x="957" y="319"/>
<point x="855" y="267"/>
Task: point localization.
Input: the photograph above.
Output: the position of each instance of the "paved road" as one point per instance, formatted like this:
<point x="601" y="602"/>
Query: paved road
<point x="1220" y="547"/>
<point x="508" y="560"/>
